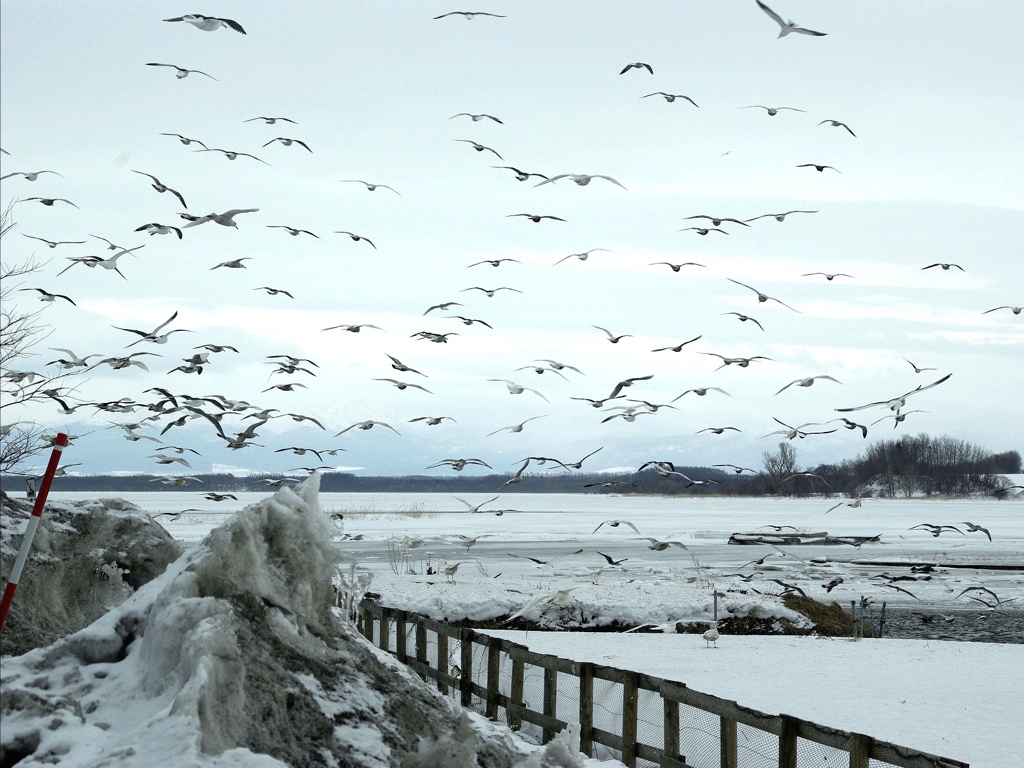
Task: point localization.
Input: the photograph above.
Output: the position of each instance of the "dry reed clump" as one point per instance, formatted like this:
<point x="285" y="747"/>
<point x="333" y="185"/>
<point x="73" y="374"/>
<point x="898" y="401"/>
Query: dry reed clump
<point x="829" y="620"/>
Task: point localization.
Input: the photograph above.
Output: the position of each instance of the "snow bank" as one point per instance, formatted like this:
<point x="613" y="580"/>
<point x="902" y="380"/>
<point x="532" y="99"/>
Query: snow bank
<point x="233" y="657"/>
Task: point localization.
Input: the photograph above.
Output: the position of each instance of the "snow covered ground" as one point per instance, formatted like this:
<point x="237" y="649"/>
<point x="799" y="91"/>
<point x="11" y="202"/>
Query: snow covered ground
<point x="960" y="700"/>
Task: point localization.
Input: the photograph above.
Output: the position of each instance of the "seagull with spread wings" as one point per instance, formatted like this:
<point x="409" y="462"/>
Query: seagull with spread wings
<point x="786" y="27"/>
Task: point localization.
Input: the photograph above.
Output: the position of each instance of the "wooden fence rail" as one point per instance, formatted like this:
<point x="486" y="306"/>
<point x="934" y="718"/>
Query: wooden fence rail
<point x="380" y="624"/>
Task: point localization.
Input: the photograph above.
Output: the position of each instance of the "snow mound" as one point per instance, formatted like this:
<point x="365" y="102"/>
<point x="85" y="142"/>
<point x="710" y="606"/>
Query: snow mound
<point x="234" y="657"/>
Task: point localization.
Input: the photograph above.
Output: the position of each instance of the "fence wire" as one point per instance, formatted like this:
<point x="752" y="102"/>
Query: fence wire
<point x="700" y="731"/>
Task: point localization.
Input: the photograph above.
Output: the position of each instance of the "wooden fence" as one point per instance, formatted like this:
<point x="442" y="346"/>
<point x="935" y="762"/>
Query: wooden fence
<point x="714" y="724"/>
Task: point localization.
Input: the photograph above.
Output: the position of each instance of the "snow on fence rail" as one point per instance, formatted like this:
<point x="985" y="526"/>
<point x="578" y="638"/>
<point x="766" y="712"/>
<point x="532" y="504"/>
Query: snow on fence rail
<point x="638" y="719"/>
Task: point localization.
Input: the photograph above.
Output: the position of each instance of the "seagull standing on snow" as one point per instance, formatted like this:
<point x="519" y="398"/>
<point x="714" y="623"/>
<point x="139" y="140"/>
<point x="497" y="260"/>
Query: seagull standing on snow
<point x="711" y="636"/>
<point x="785" y="27"/>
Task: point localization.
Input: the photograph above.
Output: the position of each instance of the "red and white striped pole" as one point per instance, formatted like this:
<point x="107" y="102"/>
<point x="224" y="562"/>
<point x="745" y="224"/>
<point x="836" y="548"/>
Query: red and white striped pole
<point x="33" y="523"/>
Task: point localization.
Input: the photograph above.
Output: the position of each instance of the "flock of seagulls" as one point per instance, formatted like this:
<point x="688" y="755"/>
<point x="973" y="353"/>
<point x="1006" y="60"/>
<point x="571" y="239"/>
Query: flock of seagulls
<point x="223" y="413"/>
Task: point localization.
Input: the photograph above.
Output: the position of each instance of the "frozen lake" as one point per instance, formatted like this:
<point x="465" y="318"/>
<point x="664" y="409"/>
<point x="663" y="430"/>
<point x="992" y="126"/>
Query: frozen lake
<point x="545" y="526"/>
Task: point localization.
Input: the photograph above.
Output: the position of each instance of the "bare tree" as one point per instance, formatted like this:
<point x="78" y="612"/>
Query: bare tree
<point x="20" y="331"/>
<point x="779" y="465"/>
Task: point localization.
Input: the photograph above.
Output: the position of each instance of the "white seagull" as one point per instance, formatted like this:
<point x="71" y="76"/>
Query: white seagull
<point x="581" y="179"/>
<point x="180" y="72"/>
<point x="370" y="187"/>
<point x="226" y="219"/>
<point x="208" y="23"/>
<point x="785" y="27"/>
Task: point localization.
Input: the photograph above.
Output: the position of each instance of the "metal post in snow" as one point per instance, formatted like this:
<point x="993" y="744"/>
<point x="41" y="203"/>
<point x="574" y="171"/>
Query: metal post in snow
<point x="33" y="523"/>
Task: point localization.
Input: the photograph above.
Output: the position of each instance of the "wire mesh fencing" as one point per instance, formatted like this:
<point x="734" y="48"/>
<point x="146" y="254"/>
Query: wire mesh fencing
<point x="638" y="719"/>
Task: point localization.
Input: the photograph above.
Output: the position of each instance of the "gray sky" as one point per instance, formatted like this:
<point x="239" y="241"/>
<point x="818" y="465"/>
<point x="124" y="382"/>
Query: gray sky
<point x="932" y="176"/>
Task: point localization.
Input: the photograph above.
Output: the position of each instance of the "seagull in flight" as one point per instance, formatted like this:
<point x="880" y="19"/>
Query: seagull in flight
<point x="515" y="427"/>
<point x="1015" y="310"/>
<point x="702" y="231"/>
<point x="677" y="347"/>
<point x="155" y="228"/>
<point x="616" y="524"/>
<point x="231" y="154"/>
<point x="778" y="216"/>
<point x="180" y="72"/>
<point x="837" y="124"/>
<point x="50" y="297"/>
<point x="637" y="65"/>
<point x="292" y="230"/>
<point x="517" y="389"/>
<point x="492" y="262"/>
<point x="480" y="147"/>
<point x="718" y="220"/>
<point x="154" y="336"/>
<point x="520" y="175"/>
<point x="818" y="168"/>
<point x="701" y="391"/>
<point x="365" y="425"/>
<point x="401" y="385"/>
<point x="762" y="297"/>
<point x="677" y="267"/>
<point x="208" y="23"/>
<point x="581" y="179"/>
<point x="611" y="336"/>
<point x="288" y="142"/>
<point x="355" y="237"/>
<point x="49" y="201"/>
<point x="159" y="186"/>
<point x="535" y="218"/>
<point x="918" y="370"/>
<point x="28" y="176"/>
<point x="827" y="275"/>
<point x="398" y="365"/>
<point x="945" y="266"/>
<point x="474" y="508"/>
<point x="896" y="403"/>
<point x="786" y="27"/>
<point x="742" y="362"/>
<point x="773" y="111"/>
<point x="270" y="120"/>
<point x="185" y="139"/>
<point x="670" y="97"/>
<point x="55" y="243"/>
<point x="476" y="118"/>
<point x="743" y="318"/>
<point x="489" y="292"/>
<point x="226" y="219"/>
<point x="370" y="187"/>
<point x="469" y="15"/>
<point x="807" y="382"/>
<point x="581" y="256"/>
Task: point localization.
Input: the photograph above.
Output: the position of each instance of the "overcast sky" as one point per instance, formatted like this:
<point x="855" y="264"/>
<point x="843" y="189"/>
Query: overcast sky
<point x="933" y="175"/>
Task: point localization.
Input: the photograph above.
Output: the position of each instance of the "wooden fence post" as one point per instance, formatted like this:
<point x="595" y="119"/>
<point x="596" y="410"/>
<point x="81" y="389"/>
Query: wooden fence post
<point x="367" y="625"/>
<point x="550" y="699"/>
<point x="385" y="629"/>
<point x="421" y="645"/>
<point x="860" y="750"/>
<point x="493" y="677"/>
<point x="585" y="670"/>
<point x="787" y="741"/>
<point x="466" y="678"/>
<point x="629" y="716"/>
<point x="400" y="635"/>
<point x="670" y="728"/>
<point x="515" y="722"/>
<point x="443" y="668"/>
<point x="728" y="747"/>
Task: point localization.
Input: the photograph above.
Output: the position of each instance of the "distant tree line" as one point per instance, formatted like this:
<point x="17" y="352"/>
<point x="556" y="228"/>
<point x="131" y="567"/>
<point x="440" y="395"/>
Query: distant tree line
<point x="905" y="466"/>
<point x="920" y="464"/>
